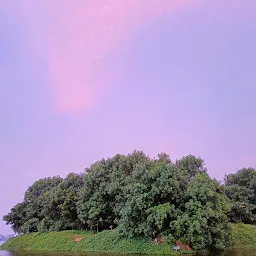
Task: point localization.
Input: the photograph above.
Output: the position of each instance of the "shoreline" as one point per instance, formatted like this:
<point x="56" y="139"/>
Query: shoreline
<point x="242" y="237"/>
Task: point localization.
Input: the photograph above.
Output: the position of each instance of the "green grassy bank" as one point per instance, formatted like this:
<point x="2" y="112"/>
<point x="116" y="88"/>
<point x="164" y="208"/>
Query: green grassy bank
<point x="106" y="241"/>
<point x="242" y="236"/>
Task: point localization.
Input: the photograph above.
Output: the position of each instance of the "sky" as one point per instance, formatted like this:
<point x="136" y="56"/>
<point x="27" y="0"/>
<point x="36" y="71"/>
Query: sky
<point x="81" y="80"/>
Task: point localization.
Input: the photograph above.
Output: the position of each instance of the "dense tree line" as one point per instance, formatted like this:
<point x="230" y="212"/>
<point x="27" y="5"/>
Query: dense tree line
<point x="141" y="196"/>
<point x="241" y="190"/>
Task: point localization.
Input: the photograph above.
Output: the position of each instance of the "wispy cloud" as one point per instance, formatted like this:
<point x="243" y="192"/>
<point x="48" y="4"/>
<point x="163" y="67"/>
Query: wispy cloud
<point x="76" y="35"/>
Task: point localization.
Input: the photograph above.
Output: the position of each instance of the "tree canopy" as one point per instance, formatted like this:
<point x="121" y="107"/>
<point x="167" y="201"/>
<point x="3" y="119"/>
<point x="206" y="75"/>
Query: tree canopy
<point x="141" y="196"/>
<point x="241" y="190"/>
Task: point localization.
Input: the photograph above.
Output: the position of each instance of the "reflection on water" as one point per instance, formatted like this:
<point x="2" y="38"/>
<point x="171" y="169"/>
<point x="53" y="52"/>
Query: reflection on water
<point x="241" y="252"/>
<point x="247" y="252"/>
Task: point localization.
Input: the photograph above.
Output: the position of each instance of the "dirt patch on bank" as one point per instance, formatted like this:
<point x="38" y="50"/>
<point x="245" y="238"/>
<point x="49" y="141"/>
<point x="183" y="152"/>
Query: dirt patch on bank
<point x="78" y="239"/>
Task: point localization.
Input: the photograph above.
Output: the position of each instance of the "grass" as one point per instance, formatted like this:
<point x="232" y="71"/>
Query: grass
<point x="242" y="236"/>
<point x="106" y="241"/>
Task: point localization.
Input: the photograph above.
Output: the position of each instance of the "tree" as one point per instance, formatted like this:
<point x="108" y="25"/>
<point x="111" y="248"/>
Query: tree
<point x="242" y="212"/>
<point x="190" y="166"/>
<point x="150" y="201"/>
<point x="241" y="190"/>
<point x="141" y="196"/>
<point x="25" y="217"/>
<point x="242" y="177"/>
<point x="204" y="223"/>
<point x="102" y="195"/>
<point x="40" y="187"/>
<point x="16" y="217"/>
<point x="60" y="211"/>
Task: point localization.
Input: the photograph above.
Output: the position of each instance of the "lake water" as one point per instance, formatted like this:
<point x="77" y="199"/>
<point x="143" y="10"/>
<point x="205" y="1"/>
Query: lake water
<point x="251" y="252"/>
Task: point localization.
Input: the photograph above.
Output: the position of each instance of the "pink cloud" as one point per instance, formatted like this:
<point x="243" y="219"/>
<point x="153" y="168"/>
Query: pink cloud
<point x="76" y="35"/>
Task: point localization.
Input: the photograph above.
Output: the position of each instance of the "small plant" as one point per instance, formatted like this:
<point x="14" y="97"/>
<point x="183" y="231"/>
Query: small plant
<point x="169" y="239"/>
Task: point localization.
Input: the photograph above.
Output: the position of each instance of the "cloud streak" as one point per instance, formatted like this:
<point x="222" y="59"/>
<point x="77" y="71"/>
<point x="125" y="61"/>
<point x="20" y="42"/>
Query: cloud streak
<point x="75" y="37"/>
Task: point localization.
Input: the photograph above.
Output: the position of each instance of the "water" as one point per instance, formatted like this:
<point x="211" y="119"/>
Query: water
<point x="6" y="253"/>
<point x="247" y="252"/>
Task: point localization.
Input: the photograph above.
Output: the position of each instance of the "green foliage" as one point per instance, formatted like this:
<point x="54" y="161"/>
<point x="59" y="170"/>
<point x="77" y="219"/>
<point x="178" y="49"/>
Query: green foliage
<point x="203" y="224"/>
<point x="25" y="216"/>
<point x="141" y="198"/>
<point x="170" y="239"/>
<point x="105" y="241"/>
<point x="242" y="212"/>
<point x="62" y="207"/>
<point x="150" y="200"/>
<point x="17" y="217"/>
<point x="242" y="236"/>
<point x="49" y="205"/>
<point x="102" y="196"/>
<point x="241" y="190"/>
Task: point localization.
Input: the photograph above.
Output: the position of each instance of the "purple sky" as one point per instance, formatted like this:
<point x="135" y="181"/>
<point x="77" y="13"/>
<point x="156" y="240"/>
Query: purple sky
<point x="81" y="80"/>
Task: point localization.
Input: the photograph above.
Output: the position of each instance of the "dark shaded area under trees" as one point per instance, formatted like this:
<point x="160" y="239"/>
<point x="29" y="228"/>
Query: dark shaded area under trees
<point x="141" y="196"/>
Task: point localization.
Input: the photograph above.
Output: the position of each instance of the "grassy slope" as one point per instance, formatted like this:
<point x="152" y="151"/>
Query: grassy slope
<point x="107" y="241"/>
<point x="243" y="236"/>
